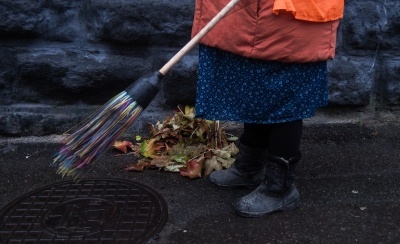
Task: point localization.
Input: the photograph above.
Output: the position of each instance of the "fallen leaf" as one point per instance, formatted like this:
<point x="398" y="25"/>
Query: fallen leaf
<point x="173" y="168"/>
<point x="193" y="168"/>
<point x="221" y="153"/>
<point x="232" y="148"/>
<point x="161" y="162"/>
<point x="232" y="138"/>
<point x="123" y="146"/>
<point x="210" y="165"/>
<point x="180" y="158"/>
<point x="150" y="147"/>
<point x="140" y="166"/>
<point x="226" y="163"/>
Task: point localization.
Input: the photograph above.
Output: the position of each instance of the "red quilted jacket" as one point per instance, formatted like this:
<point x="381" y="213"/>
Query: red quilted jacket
<point x="259" y="29"/>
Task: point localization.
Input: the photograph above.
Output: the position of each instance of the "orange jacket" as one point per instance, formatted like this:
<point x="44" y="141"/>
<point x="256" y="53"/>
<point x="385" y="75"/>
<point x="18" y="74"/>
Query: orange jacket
<point x="282" y="30"/>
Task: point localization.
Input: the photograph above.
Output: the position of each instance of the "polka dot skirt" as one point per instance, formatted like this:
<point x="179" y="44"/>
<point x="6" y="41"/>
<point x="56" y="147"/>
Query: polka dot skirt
<point x="234" y="88"/>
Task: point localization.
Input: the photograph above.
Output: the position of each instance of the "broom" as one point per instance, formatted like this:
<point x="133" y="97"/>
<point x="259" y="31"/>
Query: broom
<point x="104" y="127"/>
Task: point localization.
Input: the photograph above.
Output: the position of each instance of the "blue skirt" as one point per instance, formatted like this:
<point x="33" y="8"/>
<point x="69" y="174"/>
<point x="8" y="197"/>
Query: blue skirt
<point x="234" y="88"/>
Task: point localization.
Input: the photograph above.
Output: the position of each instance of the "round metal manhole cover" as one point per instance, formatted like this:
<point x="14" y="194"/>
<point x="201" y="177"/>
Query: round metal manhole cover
<point x="92" y="210"/>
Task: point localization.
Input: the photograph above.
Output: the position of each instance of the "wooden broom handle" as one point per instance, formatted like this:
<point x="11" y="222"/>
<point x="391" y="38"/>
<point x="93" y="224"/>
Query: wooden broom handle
<point x="195" y="40"/>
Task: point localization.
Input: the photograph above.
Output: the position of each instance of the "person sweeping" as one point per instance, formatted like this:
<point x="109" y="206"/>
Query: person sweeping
<point x="265" y="65"/>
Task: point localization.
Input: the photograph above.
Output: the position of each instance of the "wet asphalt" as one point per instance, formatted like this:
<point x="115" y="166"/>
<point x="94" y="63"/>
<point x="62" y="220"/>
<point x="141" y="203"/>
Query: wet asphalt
<point x="349" y="181"/>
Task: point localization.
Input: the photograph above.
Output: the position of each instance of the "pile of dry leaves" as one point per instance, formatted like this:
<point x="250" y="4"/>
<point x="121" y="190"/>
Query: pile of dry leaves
<point x="182" y="143"/>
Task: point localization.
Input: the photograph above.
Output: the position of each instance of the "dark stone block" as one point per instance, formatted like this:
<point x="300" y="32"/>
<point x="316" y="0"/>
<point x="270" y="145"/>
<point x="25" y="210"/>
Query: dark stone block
<point x="371" y="25"/>
<point x="140" y="22"/>
<point x="389" y="78"/>
<point x="7" y="73"/>
<point x="21" y="18"/>
<point x="350" y="81"/>
<point x="71" y="76"/>
<point x="179" y="87"/>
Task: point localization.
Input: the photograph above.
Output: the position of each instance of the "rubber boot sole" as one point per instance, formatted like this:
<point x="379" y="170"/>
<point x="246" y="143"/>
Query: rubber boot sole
<point x="291" y="206"/>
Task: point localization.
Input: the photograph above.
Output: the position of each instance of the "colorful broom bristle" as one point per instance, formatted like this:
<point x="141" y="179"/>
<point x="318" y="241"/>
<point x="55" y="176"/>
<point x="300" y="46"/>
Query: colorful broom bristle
<point x="99" y="132"/>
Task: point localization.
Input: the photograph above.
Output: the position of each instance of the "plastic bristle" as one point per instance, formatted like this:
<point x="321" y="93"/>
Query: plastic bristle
<point x="84" y="146"/>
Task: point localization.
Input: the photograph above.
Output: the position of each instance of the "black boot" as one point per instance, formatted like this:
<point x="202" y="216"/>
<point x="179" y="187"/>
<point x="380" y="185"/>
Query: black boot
<point x="277" y="193"/>
<point x="247" y="170"/>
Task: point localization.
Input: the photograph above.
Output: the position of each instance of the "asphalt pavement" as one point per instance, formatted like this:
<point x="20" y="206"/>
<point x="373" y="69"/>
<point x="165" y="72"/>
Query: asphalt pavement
<point x="349" y="181"/>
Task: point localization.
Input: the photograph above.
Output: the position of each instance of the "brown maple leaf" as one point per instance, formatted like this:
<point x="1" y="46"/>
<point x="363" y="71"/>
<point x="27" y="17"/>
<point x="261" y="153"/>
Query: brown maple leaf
<point x="123" y="146"/>
<point x="140" y="166"/>
<point x="193" y="168"/>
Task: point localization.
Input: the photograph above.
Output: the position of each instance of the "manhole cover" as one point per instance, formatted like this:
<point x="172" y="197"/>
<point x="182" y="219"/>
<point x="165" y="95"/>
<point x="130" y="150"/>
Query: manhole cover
<point x="92" y="210"/>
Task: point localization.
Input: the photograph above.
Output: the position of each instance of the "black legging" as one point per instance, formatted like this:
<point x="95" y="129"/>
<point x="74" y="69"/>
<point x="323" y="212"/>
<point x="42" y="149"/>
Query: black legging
<point x="282" y="139"/>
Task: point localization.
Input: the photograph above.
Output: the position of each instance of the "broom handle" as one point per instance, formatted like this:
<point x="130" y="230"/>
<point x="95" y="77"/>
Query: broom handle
<point x="195" y="40"/>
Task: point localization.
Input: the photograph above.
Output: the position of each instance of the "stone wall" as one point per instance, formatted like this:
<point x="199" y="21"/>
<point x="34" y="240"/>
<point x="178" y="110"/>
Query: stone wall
<point x="60" y="60"/>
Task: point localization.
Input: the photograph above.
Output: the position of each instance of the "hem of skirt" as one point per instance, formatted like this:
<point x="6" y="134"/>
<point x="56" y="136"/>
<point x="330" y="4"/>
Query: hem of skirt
<point x="252" y="121"/>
